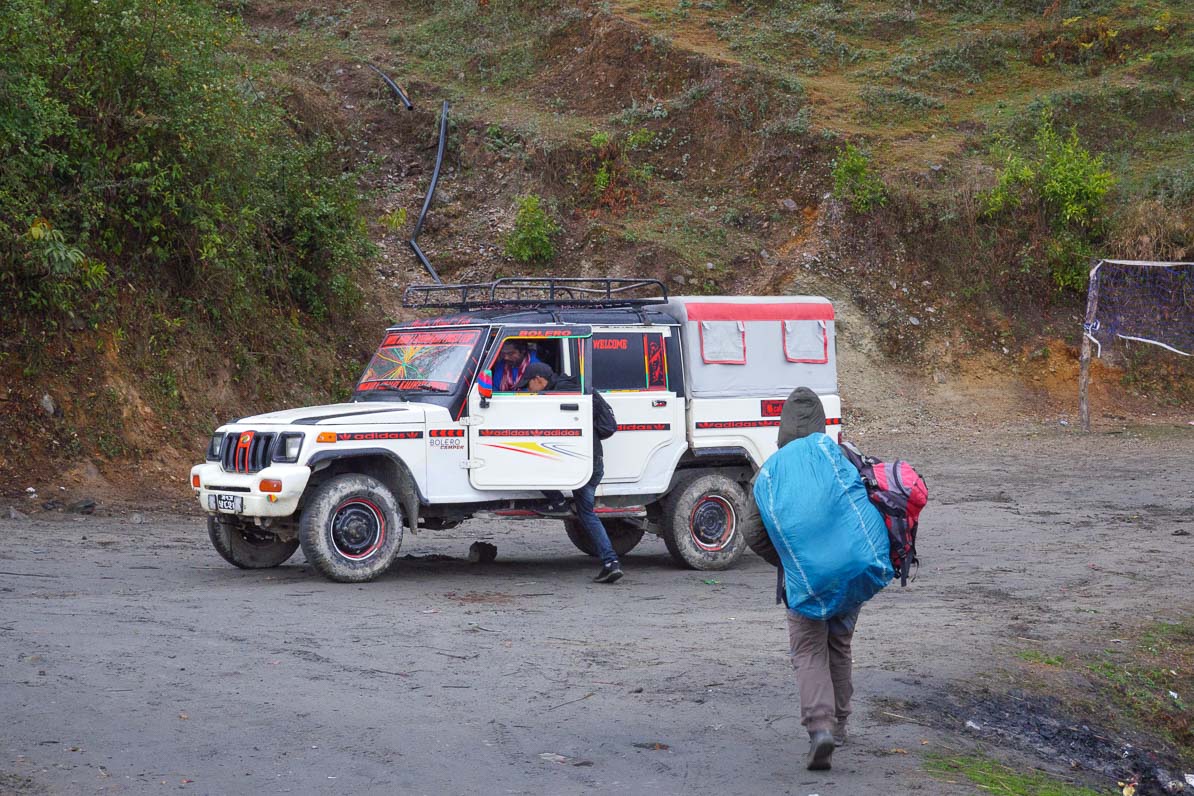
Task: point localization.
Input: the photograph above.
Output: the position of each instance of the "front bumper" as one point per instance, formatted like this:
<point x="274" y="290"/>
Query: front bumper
<point x="214" y="480"/>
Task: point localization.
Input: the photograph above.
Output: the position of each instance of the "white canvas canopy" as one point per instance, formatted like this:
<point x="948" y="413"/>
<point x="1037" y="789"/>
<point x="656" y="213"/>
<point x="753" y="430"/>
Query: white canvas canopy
<point x="756" y="346"/>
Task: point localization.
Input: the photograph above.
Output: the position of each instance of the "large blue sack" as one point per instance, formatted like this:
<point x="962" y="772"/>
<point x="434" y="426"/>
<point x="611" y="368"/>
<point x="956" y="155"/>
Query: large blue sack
<point x="830" y="537"/>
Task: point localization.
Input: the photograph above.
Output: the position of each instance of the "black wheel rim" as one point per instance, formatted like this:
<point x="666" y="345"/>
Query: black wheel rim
<point x="358" y="529"/>
<point x="712" y="523"/>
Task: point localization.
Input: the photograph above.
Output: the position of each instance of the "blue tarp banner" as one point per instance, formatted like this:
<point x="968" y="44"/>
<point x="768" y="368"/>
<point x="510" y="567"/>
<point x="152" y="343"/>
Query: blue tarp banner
<point x="830" y="537"/>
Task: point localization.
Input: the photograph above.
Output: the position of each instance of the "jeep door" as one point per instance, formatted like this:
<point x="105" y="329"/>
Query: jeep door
<point x="522" y="440"/>
<point x="640" y="378"/>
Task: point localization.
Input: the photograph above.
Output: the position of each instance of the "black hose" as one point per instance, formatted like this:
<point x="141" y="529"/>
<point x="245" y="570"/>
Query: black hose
<point x="393" y="87"/>
<point x="439" y="161"/>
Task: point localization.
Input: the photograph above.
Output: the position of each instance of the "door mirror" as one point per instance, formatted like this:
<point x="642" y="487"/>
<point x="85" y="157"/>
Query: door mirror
<point x="485" y="387"/>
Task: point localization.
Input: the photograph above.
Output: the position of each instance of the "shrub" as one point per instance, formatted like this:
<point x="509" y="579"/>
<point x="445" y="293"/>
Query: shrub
<point x="854" y="182"/>
<point x="148" y="144"/>
<point x="601" y="178"/>
<point x="642" y="139"/>
<point x="530" y="240"/>
<point x="1061" y="179"/>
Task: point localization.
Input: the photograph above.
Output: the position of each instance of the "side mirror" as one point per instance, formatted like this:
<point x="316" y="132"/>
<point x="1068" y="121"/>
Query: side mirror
<point x="485" y="387"/>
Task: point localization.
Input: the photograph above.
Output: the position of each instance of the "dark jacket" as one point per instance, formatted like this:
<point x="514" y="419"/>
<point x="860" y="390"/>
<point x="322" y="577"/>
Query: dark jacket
<point x="566" y="384"/>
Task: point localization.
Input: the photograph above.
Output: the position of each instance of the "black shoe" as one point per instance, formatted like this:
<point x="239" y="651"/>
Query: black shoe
<point x="560" y="508"/>
<point x="820" y="750"/>
<point x="609" y="574"/>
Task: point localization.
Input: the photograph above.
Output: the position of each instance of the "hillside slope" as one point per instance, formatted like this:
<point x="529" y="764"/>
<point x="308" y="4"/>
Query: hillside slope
<point x="702" y="143"/>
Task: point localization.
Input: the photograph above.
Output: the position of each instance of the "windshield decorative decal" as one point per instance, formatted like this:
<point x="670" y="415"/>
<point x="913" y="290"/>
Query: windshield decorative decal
<point x="431" y="360"/>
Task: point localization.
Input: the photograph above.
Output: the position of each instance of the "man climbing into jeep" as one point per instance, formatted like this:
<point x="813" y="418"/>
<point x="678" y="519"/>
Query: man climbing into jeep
<point x="539" y="377"/>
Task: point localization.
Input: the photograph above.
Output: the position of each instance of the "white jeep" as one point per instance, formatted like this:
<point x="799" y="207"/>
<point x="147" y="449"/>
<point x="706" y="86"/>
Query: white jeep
<point x="696" y="383"/>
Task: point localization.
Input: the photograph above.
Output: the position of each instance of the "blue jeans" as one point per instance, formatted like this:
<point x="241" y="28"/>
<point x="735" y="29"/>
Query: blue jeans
<point x="585" y="498"/>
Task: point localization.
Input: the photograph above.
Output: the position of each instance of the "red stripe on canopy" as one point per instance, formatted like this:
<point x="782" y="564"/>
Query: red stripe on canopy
<point x="787" y="311"/>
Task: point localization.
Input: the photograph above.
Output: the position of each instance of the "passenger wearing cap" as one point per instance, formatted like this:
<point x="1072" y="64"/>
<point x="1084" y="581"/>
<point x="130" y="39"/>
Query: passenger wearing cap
<point x="539" y="377"/>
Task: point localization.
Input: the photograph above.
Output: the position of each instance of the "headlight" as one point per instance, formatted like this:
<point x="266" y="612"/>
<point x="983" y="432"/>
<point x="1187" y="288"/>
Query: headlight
<point x="213" y="447"/>
<point x="287" y="448"/>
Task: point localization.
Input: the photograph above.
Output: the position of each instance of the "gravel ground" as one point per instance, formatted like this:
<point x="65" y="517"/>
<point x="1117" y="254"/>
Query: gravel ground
<point x="134" y="660"/>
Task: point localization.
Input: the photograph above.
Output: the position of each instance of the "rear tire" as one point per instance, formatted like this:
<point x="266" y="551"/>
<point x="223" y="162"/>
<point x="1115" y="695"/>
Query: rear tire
<point x="245" y="545"/>
<point x="701" y="521"/>
<point x="623" y="535"/>
<point x="351" y="528"/>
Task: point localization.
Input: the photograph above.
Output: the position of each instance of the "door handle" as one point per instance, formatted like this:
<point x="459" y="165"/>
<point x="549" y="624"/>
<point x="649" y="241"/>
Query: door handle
<point x="569" y="407"/>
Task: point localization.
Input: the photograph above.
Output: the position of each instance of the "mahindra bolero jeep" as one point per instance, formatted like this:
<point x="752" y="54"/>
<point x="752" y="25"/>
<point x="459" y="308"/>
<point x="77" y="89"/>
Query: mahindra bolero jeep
<point x="428" y="439"/>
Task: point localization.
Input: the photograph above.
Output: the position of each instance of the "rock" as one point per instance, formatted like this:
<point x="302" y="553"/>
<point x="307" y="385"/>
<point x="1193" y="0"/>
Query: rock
<point x="137" y="519"/>
<point x="13" y="514"/>
<point x="678" y="279"/>
<point x="912" y="319"/>
<point x="482" y="552"/>
<point x="711" y="266"/>
<point x="768" y="257"/>
<point x="789" y="205"/>
<point x="84" y="506"/>
<point x="47" y="403"/>
<point x="53" y="504"/>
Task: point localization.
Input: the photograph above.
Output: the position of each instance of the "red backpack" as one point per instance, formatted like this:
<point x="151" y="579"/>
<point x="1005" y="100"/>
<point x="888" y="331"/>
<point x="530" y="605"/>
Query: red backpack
<point x="899" y="492"/>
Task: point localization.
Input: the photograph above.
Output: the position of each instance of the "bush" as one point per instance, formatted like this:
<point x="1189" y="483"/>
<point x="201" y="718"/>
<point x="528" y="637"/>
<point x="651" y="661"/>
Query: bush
<point x="1059" y="178"/>
<point x="144" y="143"/>
<point x="530" y="240"/>
<point x="854" y="182"/>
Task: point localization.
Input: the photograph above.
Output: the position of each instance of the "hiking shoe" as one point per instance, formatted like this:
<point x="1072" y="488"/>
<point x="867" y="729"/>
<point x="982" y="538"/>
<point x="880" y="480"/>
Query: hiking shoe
<point x="609" y="574"/>
<point x="839" y="734"/>
<point x="560" y="508"/>
<point x="820" y="750"/>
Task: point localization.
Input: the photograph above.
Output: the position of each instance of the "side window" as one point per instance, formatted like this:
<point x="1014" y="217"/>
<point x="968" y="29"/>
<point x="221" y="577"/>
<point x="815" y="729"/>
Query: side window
<point x="508" y="359"/>
<point x="629" y="361"/>
<point x="723" y="342"/>
<point x="806" y="341"/>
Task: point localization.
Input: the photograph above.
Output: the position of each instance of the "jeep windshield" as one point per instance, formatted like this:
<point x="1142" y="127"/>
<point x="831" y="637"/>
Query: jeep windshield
<point x="419" y="361"/>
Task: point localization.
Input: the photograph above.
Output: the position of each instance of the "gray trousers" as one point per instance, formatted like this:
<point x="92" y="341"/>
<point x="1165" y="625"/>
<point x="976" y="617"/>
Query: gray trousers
<point x="821" y="656"/>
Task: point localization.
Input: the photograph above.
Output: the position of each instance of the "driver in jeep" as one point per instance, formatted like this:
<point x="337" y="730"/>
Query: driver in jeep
<point x="512" y="364"/>
<point x="540" y="377"/>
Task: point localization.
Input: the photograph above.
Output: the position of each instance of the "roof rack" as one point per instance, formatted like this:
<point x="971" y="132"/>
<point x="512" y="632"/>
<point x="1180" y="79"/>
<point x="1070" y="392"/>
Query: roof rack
<point x="538" y="292"/>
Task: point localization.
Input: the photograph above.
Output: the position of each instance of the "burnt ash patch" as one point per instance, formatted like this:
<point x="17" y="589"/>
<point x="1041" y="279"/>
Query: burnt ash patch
<point x="1044" y="727"/>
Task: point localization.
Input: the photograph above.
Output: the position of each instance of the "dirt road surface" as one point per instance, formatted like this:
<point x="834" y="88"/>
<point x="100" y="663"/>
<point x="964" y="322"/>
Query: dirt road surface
<point x="134" y="660"/>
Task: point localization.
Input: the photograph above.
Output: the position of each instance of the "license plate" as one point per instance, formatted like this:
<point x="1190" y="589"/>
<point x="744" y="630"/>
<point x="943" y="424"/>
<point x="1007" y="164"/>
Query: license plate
<point x="233" y="504"/>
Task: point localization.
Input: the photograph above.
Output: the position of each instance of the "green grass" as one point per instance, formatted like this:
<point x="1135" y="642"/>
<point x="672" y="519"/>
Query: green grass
<point x="1139" y="683"/>
<point x="993" y="777"/>
<point x="1037" y="656"/>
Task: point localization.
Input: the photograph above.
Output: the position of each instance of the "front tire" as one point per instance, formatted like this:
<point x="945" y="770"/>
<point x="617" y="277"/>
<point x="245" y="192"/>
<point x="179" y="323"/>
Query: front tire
<point x="246" y="546"/>
<point x="623" y="535"/>
<point x="701" y="521"/>
<point x="351" y="528"/>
